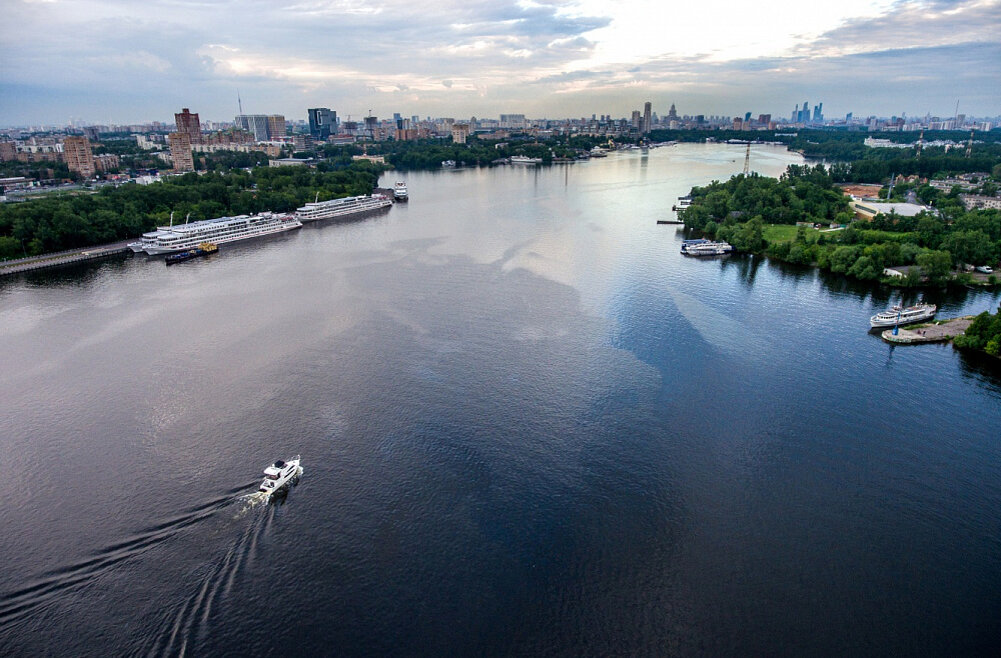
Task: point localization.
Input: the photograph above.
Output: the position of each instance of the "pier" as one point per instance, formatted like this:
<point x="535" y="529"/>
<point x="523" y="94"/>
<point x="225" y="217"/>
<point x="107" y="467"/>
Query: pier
<point x="932" y="332"/>
<point x="59" y="259"/>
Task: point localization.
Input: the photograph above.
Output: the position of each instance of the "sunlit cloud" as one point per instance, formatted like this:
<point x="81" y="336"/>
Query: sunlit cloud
<point x="454" y="58"/>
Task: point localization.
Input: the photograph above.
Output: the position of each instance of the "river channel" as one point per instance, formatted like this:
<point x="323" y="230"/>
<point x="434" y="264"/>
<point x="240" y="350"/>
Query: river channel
<point x="528" y="426"/>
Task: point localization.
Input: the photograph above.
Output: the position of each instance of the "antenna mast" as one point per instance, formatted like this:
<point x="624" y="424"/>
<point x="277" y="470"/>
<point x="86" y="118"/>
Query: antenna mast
<point x="239" y="101"/>
<point x="747" y="159"/>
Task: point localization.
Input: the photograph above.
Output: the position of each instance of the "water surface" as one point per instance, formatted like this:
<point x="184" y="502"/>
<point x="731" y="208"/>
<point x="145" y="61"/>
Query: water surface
<point x="528" y="426"/>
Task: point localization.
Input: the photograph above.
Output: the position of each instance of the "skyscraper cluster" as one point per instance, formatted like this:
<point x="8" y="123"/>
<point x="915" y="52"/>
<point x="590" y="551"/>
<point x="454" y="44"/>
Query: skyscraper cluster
<point x="803" y="115"/>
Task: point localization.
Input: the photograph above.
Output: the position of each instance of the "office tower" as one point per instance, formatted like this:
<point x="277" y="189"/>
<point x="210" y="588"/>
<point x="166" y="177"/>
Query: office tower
<point x="180" y="151"/>
<point x="78" y="156"/>
<point x="322" y="122"/>
<point x="276" y="126"/>
<point x="747" y="117"/>
<point x="672" y="115"/>
<point x="189" y="124"/>
<point x="817" y="114"/>
<point x="647" y="117"/>
<point x="254" y="123"/>
<point x="91" y="132"/>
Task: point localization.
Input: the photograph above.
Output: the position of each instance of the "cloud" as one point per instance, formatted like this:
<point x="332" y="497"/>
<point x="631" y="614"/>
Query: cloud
<point x="455" y="58"/>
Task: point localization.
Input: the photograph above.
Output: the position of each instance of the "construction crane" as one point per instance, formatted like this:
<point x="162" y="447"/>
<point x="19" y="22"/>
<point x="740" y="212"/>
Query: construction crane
<point x="747" y="160"/>
<point x="969" y="145"/>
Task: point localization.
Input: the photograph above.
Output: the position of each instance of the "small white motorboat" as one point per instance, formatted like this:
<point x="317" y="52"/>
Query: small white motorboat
<point x="280" y="474"/>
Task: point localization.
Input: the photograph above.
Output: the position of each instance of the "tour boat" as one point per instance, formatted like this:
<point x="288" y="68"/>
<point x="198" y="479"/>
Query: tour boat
<point x="172" y="239"/>
<point x="340" y="207"/>
<point x="706" y="248"/>
<point x="400" y="191"/>
<point x="525" y="160"/>
<point x="899" y="315"/>
<point x="279" y="475"/>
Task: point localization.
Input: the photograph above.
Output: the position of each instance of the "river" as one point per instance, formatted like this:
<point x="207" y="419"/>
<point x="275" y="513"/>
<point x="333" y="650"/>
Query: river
<point x="528" y="426"/>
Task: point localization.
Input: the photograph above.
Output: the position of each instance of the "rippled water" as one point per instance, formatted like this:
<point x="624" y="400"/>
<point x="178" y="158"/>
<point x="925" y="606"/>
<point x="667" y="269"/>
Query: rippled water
<point x="528" y="426"/>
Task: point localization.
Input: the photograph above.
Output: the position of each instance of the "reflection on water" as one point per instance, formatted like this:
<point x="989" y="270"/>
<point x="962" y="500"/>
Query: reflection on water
<point x="532" y="426"/>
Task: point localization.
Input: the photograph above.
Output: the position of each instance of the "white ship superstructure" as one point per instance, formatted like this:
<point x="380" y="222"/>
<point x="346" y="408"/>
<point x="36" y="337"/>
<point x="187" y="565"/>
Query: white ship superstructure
<point x="170" y="239"/>
<point x="898" y="315"/>
<point x="341" y="207"/>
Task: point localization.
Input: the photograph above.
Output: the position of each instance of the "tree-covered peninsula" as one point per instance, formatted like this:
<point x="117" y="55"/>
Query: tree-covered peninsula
<point x="751" y="211"/>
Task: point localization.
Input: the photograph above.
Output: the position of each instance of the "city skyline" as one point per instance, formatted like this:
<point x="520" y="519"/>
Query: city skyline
<point x="119" y="62"/>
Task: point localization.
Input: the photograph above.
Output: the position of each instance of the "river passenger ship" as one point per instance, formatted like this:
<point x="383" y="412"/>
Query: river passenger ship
<point x="898" y="315"/>
<point x="351" y="205"/>
<point x="703" y="247"/>
<point x="172" y="239"/>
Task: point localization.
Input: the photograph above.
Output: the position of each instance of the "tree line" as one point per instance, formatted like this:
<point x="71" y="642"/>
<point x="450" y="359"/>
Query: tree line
<point x="118" y="213"/>
<point x="737" y="210"/>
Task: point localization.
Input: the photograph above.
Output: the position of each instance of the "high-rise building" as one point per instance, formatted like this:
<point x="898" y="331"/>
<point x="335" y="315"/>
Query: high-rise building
<point x="647" y="117"/>
<point x="460" y="132"/>
<point x="78" y="156"/>
<point x="180" y="151"/>
<point x="276" y="126"/>
<point x="818" y="113"/>
<point x="264" y="127"/>
<point x="672" y="115"/>
<point x="189" y="124"/>
<point x="322" y="122"/>
<point x="636" y="120"/>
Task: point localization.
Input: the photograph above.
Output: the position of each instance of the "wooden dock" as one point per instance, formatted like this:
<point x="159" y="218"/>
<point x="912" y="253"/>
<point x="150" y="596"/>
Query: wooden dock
<point x="932" y="332"/>
<point x="63" y="258"/>
<point x="669" y="221"/>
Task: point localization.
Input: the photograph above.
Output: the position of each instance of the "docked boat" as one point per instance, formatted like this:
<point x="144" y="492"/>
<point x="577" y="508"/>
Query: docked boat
<point x="525" y="160"/>
<point x="173" y="239"/>
<point x="598" y="152"/>
<point x="448" y="163"/>
<point x="683" y="202"/>
<point x="279" y="475"/>
<point x="900" y="315"/>
<point x="203" y="249"/>
<point x="400" y="191"/>
<point x="705" y="248"/>
<point x="351" y="205"/>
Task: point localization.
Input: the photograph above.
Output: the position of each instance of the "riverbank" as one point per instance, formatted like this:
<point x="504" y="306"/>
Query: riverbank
<point x="934" y="332"/>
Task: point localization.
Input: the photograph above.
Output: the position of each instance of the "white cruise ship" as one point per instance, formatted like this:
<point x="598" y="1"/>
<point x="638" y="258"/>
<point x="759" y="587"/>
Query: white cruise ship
<point x="900" y="315"/>
<point x="525" y="160"/>
<point x="341" y="207"/>
<point x="170" y="239"/>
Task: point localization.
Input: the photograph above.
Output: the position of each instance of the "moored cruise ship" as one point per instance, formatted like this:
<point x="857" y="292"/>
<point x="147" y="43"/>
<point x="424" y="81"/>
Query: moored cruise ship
<point x="341" y="207"/>
<point x="900" y="315"/>
<point x="171" y="239"/>
<point x="705" y="248"/>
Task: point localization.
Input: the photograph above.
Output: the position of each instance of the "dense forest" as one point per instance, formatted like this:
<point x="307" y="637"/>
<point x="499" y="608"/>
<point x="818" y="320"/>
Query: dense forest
<point x="738" y="210"/>
<point x="984" y="334"/>
<point x="117" y="213"/>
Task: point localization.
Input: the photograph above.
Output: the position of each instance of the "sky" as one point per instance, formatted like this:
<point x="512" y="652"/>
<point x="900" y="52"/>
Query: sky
<point x="124" y="61"/>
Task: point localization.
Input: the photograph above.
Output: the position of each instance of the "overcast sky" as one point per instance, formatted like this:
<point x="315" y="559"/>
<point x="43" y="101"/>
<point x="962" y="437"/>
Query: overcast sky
<point x="131" y="60"/>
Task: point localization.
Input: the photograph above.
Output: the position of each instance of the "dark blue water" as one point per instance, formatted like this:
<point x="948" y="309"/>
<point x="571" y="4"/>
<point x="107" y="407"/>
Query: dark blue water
<point x="528" y="426"/>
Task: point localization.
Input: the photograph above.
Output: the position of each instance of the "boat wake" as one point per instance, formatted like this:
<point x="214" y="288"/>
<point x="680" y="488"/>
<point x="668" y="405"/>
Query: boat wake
<point x="19" y="605"/>
<point x="185" y="628"/>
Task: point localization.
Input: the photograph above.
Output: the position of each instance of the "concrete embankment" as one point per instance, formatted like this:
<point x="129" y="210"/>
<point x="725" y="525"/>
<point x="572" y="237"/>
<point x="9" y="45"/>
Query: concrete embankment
<point x="936" y="332"/>
<point x="63" y="258"/>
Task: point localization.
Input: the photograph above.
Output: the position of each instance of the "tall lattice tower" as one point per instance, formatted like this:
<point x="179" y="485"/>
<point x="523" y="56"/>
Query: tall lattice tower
<point x="969" y="145"/>
<point x="747" y="160"/>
